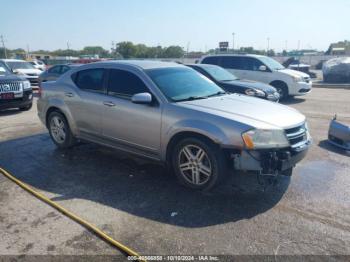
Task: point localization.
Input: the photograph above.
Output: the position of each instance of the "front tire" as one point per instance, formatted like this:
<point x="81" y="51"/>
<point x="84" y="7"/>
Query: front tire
<point x="282" y="89"/>
<point x="198" y="164"/>
<point x="59" y="130"/>
<point x="287" y="172"/>
<point x="26" y="108"/>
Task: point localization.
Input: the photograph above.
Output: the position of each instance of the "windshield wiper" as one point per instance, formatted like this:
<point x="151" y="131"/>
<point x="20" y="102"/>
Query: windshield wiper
<point x="191" y="98"/>
<point x="217" y="94"/>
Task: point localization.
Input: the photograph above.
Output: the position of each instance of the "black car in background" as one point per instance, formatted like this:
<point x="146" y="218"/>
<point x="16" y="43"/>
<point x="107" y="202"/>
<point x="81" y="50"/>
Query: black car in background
<point x="232" y="84"/>
<point x="15" y="91"/>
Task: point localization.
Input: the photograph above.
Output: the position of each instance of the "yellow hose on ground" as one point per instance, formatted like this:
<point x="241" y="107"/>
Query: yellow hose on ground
<point x="69" y="214"/>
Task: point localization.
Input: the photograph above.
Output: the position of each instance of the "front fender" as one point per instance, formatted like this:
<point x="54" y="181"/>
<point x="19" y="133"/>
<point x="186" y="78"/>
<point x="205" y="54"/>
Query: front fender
<point x="201" y="127"/>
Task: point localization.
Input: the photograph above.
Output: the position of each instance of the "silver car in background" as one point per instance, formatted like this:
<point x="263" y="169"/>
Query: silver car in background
<point x="55" y="71"/>
<point x="171" y="113"/>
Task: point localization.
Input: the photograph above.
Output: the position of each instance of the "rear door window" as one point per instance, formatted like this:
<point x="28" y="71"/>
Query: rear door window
<point x="64" y="69"/>
<point x="91" y="80"/>
<point x="55" y="70"/>
<point x="212" y="60"/>
<point x="125" y="84"/>
<point x="232" y="62"/>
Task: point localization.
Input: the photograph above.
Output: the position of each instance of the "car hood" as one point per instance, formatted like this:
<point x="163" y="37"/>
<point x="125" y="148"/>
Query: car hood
<point x="251" y="111"/>
<point x="251" y="84"/>
<point x="292" y="72"/>
<point x="29" y="71"/>
<point x="11" y="77"/>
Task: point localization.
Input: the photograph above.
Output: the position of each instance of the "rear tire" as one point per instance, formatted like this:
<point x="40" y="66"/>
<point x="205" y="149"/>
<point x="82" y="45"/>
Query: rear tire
<point x="198" y="164"/>
<point x="60" y="131"/>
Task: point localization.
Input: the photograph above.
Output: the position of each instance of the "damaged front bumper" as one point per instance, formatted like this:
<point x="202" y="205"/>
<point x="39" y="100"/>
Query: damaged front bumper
<point x="271" y="161"/>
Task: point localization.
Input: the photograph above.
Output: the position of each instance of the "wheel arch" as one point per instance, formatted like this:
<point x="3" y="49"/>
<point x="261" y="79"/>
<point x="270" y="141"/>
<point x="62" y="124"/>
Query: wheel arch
<point x="280" y="83"/>
<point x="58" y="108"/>
<point x="184" y="134"/>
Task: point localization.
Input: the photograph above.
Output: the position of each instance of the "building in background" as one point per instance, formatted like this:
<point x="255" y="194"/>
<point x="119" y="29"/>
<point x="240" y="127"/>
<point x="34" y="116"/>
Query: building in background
<point x="340" y="48"/>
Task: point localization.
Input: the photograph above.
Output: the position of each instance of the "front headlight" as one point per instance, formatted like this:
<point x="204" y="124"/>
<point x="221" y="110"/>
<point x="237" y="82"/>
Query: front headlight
<point x="298" y="79"/>
<point x="26" y="85"/>
<point x="260" y="139"/>
<point x="254" y="92"/>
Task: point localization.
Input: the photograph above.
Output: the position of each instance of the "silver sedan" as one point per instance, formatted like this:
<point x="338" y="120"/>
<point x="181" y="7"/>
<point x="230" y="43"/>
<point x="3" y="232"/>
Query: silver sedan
<point x="171" y="113"/>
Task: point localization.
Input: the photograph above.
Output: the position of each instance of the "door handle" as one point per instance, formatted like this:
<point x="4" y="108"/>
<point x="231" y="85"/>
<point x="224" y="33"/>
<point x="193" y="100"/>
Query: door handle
<point x="108" y="103"/>
<point x="69" y="94"/>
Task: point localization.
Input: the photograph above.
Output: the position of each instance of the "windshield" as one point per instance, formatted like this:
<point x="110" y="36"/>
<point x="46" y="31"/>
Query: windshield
<point x="218" y="73"/>
<point x="181" y="84"/>
<point x="4" y="70"/>
<point x="20" y="65"/>
<point x="271" y="63"/>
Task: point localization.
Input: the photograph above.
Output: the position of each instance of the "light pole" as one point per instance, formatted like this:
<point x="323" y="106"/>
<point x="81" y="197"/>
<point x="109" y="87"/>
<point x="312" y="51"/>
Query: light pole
<point x="3" y="45"/>
<point x="286" y="46"/>
<point x="233" y="42"/>
<point x="268" y="45"/>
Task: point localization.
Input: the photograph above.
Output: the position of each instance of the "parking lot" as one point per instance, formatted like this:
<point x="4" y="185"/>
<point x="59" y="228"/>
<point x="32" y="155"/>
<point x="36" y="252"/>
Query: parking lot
<point x="139" y="204"/>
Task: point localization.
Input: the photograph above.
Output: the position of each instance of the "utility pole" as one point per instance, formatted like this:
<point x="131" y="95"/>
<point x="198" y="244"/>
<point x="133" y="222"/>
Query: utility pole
<point x="68" y="45"/>
<point x="268" y="45"/>
<point x="3" y="45"/>
<point x="27" y="51"/>
<point x="188" y="48"/>
<point x="286" y="45"/>
<point x="233" y="42"/>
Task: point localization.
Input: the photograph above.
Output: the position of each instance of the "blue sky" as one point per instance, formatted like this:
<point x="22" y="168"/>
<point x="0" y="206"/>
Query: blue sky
<point x="50" y="24"/>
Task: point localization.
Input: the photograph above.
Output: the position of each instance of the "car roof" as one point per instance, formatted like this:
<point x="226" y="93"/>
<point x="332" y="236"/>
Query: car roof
<point x="143" y="64"/>
<point x="202" y="65"/>
<point x="236" y="55"/>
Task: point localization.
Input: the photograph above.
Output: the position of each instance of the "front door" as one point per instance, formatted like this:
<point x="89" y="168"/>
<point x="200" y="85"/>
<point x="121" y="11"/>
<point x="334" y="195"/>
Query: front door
<point x="136" y="126"/>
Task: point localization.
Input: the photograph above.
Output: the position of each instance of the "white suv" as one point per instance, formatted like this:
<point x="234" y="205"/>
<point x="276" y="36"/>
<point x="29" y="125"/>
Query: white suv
<point x="38" y="65"/>
<point x="264" y="69"/>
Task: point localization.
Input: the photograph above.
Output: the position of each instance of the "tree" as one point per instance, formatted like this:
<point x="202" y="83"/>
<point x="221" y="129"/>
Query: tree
<point x="271" y="52"/>
<point x="173" y="52"/>
<point x="65" y="52"/>
<point x="141" y="51"/>
<point x="126" y="49"/>
<point x="95" y="50"/>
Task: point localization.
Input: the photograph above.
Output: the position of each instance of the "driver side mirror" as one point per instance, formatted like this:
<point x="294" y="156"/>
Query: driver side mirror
<point x="142" y="98"/>
<point x="262" y="68"/>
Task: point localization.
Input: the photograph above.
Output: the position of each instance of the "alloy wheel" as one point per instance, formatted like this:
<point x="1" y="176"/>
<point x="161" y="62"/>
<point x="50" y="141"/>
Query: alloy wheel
<point x="58" y="129"/>
<point x="194" y="165"/>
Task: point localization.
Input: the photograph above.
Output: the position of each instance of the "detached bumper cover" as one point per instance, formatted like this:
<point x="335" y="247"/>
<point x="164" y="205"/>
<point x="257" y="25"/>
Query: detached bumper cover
<point x="339" y="135"/>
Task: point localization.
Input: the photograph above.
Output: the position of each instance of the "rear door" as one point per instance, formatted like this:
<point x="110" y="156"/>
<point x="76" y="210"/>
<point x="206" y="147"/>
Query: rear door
<point x="136" y="126"/>
<point x="87" y="104"/>
<point x="234" y="64"/>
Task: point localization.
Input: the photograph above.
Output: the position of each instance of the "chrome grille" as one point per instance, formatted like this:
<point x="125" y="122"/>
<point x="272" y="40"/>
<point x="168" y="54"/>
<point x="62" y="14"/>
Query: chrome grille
<point x="297" y="136"/>
<point x="10" y="87"/>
